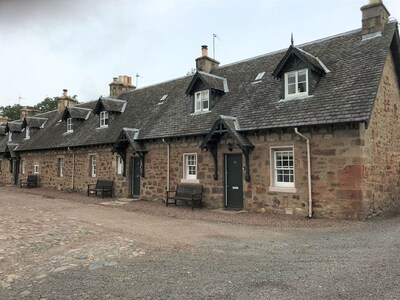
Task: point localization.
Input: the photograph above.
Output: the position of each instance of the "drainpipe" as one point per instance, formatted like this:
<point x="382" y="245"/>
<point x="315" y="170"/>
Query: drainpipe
<point x="309" y="171"/>
<point x="167" y="162"/>
<point x="73" y="169"/>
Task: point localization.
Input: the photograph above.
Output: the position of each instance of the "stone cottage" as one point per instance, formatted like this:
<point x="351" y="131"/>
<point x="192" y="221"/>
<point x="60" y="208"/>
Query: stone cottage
<point x="312" y="130"/>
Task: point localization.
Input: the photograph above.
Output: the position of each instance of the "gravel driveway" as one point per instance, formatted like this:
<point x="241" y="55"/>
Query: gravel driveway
<point x="57" y="245"/>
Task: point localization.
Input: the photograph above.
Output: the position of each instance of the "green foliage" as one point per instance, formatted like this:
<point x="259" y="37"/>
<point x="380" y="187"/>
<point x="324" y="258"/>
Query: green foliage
<point x="12" y="112"/>
<point x="47" y="104"/>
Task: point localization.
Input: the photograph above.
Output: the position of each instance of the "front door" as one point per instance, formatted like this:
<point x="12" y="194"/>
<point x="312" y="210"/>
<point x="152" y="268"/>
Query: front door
<point x="135" y="177"/>
<point x="233" y="181"/>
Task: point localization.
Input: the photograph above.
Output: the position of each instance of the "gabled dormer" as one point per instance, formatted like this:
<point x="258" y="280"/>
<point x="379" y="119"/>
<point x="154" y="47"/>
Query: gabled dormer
<point x="107" y="109"/>
<point x="74" y="115"/>
<point x="299" y="72"/>
<point x="32" y="124"/>
<point x="204" y="91"/>
<point x="13" y="127"/>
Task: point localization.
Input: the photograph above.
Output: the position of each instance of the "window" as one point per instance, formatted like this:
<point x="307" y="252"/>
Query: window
<point x="296" y="83"/>
<point x="10" y="136"/>
<point x="104" y="119"/>
<point x="93" y="168"/>
<point x="259" y="76"/>
<point x="283" y="167"/>
<point x="164" y="97"/>
<point x="60" y="167"/>
<point x="27" y="133"/>
<point x="201" y="101"/>
<point x="69" y="125"/>
<point x="22" y="167"/>
<point x="120" y="165"/>
<point x="36" y="169"/>
<point x="190" y="166"/>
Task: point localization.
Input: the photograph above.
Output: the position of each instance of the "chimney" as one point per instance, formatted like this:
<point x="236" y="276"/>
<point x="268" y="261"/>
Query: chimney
<point x="3" y="120"/>
<point x="120" y="85"/>
<point x="27" y="111"/>
<point x="374" y="18"/>
<point x="65" y="101"/>
<point x="205" y="63"/>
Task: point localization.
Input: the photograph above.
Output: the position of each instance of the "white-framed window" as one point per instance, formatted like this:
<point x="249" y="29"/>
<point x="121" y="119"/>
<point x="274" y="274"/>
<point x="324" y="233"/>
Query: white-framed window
<point x="60" y="167"/>
<point x="10" y="136"/>
<point x="69" y="125"/>
<point x="259" y="76"/>
<point x="93" y="166"/>
<point x="190" y="166"/>
<point x="36" y="169"/>
<point x="282" y="167"/>
<point x="22" y="167"/>
<point x="27" y="133"/>
<point x="201" y="101"/>
<point x="104" y="118"/>
<point x="296" y="83"/>
<point x="120" y="165"/>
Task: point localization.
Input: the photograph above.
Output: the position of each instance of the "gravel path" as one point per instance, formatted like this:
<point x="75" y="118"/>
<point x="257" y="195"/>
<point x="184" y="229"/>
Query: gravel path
<point x="56" y="245"/>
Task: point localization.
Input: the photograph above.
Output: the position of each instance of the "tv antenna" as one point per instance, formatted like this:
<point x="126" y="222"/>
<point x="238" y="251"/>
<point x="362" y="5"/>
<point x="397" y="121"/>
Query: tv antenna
<point x="137" y="78"/>
<point x="215" y="36"/>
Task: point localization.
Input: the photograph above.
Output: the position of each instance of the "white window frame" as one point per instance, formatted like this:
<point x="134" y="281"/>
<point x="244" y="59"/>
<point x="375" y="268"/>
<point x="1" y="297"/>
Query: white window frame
<point x="296" y="93"/>
<point x="200" y="98"/>
<point x="282" y="185"/>
<point x="60" y="166"/>
<point x="187" y="164"/>
<point x="22" y="167"/>
<point x="27" y="133"/>
<point x="120" y="165"/>
<point x="93" y="165"/>
<point x="103" y="119"/>
<point x="259" y="76"/>
<point x="36" y="169"/>
<point x="69" y="125"/>
<point x="10" y="136"/>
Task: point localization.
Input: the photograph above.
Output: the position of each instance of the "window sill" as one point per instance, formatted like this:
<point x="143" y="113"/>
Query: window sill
<point x="200" y="113"/>
<point x="101" y="127"/>
<point x="296" y="97"/>
<point x="183" y="180"/>
<point x="282" y="189"/>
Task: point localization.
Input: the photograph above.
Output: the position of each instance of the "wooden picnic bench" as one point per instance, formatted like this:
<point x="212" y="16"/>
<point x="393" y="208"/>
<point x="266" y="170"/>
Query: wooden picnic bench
<point x="30" y="181"/>
<point x="103" y="186"/>
<point x="188" y="193"/>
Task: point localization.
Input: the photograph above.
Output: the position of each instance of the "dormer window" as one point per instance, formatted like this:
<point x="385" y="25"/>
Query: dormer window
<point x="69" y="125"/>
<point x="104" y="119"/>
<point x="296" y="83"/>
<point x="201" y="101"/>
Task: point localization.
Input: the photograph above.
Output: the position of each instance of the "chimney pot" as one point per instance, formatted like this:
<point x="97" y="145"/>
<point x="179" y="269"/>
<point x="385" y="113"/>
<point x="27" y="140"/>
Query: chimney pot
<point x="204" y="50"/>
<point x="115" y="79"/>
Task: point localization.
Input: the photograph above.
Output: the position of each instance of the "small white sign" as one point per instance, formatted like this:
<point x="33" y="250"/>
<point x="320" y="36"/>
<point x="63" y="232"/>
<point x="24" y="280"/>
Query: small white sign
<point x="235" y="188"/>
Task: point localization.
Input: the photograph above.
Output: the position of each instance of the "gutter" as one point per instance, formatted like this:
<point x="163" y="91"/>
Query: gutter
<point x="310" y="213"/>
<point x="168" y="147"/>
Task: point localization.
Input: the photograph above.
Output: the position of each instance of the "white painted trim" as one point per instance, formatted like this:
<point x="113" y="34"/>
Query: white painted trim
<point x="296" y="94"/>
<point x="183" y="180"/>
<point x="273" y="185"/>
<point x="281" y="189"/>
<point x="185" y="175"/>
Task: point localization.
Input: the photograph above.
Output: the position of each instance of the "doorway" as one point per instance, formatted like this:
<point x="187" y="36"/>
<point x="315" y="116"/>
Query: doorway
<point x="233" y="181"/>
<point x="135" y="177"/>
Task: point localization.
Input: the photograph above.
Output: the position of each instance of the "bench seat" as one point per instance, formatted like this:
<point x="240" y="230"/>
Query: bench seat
<point x="102" y="186"/>
<point x="188" y="193"/>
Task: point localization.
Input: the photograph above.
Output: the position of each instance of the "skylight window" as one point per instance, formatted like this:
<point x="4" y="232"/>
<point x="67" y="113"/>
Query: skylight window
<point x="164" y="97"/>
<point x="259" y="76"/>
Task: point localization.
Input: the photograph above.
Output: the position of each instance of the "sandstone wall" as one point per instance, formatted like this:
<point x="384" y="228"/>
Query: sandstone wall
<point x="381" y="152"/>
<point x="6" y="177"/>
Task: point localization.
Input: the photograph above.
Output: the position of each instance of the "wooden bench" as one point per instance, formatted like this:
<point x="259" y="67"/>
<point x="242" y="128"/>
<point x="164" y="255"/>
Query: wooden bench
<point x="30" y="182"/>
<point x="103" y="186"/>
<point x="188" y="193"/>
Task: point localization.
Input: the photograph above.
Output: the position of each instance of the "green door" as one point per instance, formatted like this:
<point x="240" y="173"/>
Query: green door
<point x="233" y="181"/>
<point x="135" y="178"/>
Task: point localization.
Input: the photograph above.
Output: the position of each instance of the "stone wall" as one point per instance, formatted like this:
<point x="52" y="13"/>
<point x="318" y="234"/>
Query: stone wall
<point x="76" y="175"/>
<point x="381" y="150"/>
<point x="6" y="177"/>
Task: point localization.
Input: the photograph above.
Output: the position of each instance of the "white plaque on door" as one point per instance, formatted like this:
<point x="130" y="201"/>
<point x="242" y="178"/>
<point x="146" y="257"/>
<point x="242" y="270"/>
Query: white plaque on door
<point x="235" y="188"/>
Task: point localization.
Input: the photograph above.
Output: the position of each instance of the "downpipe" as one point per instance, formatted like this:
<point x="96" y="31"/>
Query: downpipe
<point x="168" y="146"/>
<point x="310" y="213"/>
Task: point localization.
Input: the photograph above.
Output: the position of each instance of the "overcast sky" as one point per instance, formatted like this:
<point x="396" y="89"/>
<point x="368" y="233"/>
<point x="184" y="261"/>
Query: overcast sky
<point x="80" y="45"/>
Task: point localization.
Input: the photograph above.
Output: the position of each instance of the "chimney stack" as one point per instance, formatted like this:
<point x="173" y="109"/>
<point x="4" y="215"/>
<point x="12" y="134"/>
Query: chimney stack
<point x="374" y="18"/>
<point x="65" y="101"/>
<point x="120" y="85"/>
<point x="27" y="111"/>
<point x="205" y="63"/>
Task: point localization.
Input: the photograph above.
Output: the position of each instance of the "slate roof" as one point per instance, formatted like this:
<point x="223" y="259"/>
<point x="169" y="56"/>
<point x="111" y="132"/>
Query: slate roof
<point x="109" y="104"/>
<point x="214" y="82"/>
<point x="14" y="126"/>
<point x="78" y="113"/>
<point x="34" y="122"/>
<point x="345" y="94"/>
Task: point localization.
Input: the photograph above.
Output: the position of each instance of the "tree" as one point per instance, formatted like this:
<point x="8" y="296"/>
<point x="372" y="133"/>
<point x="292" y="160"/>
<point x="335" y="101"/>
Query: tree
<point x="12" y="112"/>
<point x="47" y="104"/>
